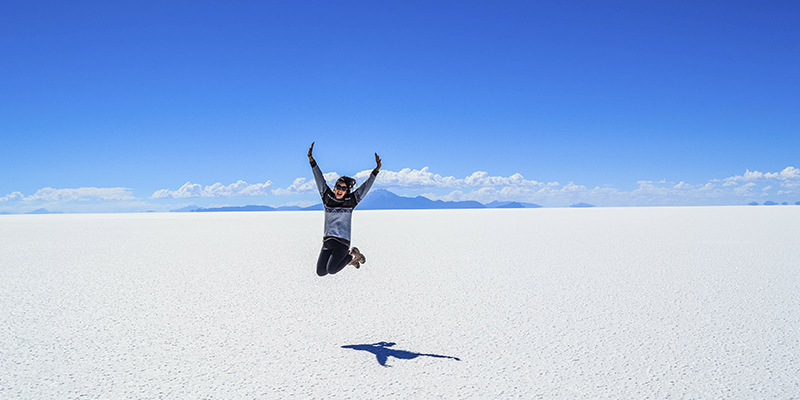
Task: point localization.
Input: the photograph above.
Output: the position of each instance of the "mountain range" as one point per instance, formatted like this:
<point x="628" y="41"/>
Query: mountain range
<point x="379" y="199"/>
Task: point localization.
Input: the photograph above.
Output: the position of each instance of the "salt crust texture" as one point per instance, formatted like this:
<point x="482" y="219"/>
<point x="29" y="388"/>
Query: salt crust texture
<point x="609" y="303"/>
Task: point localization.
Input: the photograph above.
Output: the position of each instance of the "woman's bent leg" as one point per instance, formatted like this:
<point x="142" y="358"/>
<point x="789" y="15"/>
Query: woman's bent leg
<point x="340" y="256"/>
<point x="322" y="261"/>
<point x="333" y="257"/>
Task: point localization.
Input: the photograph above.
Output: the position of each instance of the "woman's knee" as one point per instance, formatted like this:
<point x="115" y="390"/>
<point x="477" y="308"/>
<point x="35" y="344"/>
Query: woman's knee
<point x="322" y="267"/>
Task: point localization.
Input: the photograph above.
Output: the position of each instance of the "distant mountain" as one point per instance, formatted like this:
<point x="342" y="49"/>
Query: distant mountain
<point x="381" y="199"/>
<point x="246" y="208"/>
<point x="770" y="203"/>
<point x="798" y="203"/>
<point x="235" y="208"/>
<point x="186" y="209"/>
<point x="511" y="204"/>
<point x="289" y="208"/>
<point x="753" y="203"/>
<point x="42" y="211"/>
<point x="582" y="205"/>
<point x="378" y="199"/>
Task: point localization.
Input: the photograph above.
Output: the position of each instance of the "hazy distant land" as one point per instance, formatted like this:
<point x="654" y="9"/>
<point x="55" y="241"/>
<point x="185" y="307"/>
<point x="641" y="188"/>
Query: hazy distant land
<point x="378" y="199"/>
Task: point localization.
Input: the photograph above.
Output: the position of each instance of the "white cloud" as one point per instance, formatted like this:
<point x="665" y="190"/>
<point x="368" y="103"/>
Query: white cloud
<point x="791" y="184"/>
<point x="187" y="190"/>
<point x="299" y="186"/>
<point x="708" y="187"/>
<point x="79" y="194"/>
<point x="423" y="178"/>
<point x="746" y="189"/>
<point x="331" y="178"/>
<point x="651" y="189"/>
<point x="571" y="187"/>
<point x="304" y="186"/>
<point x="788" y="174"/>
<point x="240" y="188"/>
<point x="481" y="178"/>
<point x="409" y="178"/>
<point x="788" y="179"/>
<point x="15" y="196"/>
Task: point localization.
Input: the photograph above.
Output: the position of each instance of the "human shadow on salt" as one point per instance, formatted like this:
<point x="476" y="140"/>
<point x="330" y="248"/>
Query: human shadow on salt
<point x="382" y="351"/>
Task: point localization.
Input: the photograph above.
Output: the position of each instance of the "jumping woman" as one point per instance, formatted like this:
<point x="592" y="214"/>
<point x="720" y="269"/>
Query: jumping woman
<point x="339" y="204"/>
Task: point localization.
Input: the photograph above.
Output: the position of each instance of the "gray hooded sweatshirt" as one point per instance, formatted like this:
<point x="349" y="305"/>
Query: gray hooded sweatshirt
<point x="338" y="213"/>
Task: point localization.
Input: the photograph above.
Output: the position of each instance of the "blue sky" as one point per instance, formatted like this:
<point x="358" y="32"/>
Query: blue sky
<point x="135" y="106"/>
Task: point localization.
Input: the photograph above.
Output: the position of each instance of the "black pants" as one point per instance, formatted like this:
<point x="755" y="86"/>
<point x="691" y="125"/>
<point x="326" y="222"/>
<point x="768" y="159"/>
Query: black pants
<point x="333" y="257"/>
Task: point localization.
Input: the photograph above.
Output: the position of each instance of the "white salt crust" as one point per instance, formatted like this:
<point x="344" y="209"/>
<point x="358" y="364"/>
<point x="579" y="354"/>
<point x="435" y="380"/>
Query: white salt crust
<point x="608" y="303"/>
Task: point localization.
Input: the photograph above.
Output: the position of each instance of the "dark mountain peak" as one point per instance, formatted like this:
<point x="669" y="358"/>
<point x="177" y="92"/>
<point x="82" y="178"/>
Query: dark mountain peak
<point x="42" y="211"/>
<point x="235" y="208"/>
<point x="186" y="209"/>
<point x="382" y="199"/>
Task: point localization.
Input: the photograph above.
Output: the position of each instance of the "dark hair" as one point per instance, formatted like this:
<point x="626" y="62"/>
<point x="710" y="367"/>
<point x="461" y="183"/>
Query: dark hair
<point x="346" y="180"/>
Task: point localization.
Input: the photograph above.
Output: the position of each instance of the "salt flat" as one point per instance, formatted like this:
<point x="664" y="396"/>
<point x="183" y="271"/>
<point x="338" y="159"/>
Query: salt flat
<point x="610" y="303"/>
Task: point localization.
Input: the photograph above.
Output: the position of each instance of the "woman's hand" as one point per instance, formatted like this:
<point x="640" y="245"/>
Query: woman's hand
<point x="377" y="161"/>
<point x="310" y="150"/>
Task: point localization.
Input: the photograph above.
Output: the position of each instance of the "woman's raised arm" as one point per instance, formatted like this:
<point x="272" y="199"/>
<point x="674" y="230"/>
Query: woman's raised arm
<point x="310" y="150"/>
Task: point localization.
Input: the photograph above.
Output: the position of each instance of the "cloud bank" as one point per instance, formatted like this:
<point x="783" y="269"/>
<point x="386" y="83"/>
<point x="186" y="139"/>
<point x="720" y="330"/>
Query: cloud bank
<point x="738" y="189"/>
<point x="788" y="180"/>
<point x="483" y="187"/>
<point x="423" y="178"/>
<point x="478" y="186"/>
<point x="49" y="194"/>
<point x="240" y="188"/>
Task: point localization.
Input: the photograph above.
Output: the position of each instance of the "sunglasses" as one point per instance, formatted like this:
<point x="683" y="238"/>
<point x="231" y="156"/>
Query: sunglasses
<point x="342" y="188"/>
